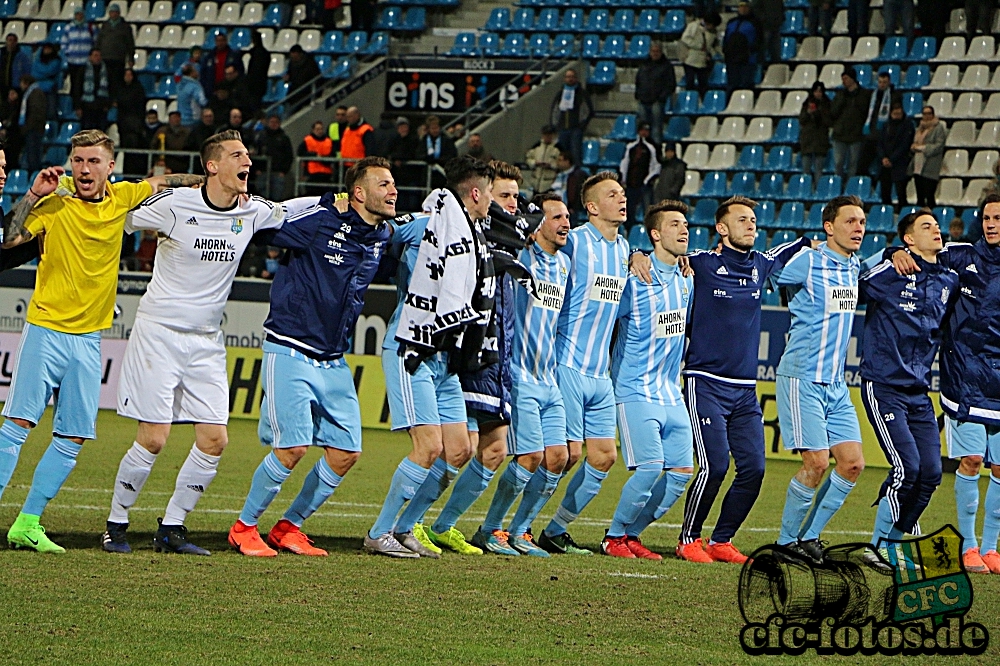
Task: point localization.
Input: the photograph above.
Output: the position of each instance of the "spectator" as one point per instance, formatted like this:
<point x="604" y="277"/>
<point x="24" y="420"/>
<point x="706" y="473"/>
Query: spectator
<point x="934" y="17"/>
<point x="333" y="12"/>
<point x="978" y="15"/>
<point x="10" y="133"/>
<point x="117" y="47"/>
<point x="234" y="123"/>
<point x="639" y="168"/>
<point x="32" y="122"/>
<point x="455" y="132"/>
<point x="655" y="82"/>
<point x="672" y="173"/>
<point x="702" y="41"/>
<point x="771" y="14"/>
<point x="879" y="103"/>
<point x="901" y="12"/>
<point x="15" y="62"/>
<point x="474" y="148"/>
<point x="201" y="131"/>
<point x="260" y="62"/>
<point x="363" y="15"/>
<point x="894" y="142"/>
<point x="317" y="144"/>
<point x="438" y="148"/>
<point x="403" y="148"/>
<point x="337" y="127"/>
<point x="928" y="153"/>
<point x="173" y="137"/>
<point x="569" y="180"/>
<point x="814" y="131"/>
<point x="77" y="41"/>
<point x="542" y="158"/>
<point x="272" y="263"/>
<point x="47" y="72"/>
<point x="848" y="112"/>
<point x="821" y="18"/>
<point x="194" y="59"/>
<point x="95" y="98"/>
<point x="131" y="105"/>
<point x="571" y="112"/>
<point x="355" y="140"/>
<point x="857" y="18"/>
<point x="214" y="63"/>
<point x="146" y="254"/>
<point x="274" y="144"/>
<point x="302" y="70"/>
<point x="153" y="125"/>
<point x="956" y="231"/>
<point x="701" y="8"/>
<point x="190" y="97"/>
<point x="740" y="47"/>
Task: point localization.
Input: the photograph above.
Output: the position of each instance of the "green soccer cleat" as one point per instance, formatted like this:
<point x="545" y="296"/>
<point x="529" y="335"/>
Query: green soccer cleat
<point x="420" y="532"/>
<point x="27" y="533"/>
<point x="452" y="540"/>
<point x="561" y="544"/>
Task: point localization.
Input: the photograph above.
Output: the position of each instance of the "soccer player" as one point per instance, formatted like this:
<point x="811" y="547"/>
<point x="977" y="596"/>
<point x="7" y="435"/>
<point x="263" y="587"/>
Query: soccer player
<point x="815" y="411"/>
<point x="970" y="375"/>
<point x="646" y="370"/>
<point x="903" y="327"/>
<point x="429" y="403"/>
<point x="74" y="300"/>
<point x="598" y="268"/>
<point x="720" y="377"/>
<point x="174" y="370"/>
<point x="539" y="417"/>
<point x="309" y="394"/>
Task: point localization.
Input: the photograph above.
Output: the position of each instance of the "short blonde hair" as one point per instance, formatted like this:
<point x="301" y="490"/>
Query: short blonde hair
<point x="93" y="137"/>
<point x="505" y="171"/>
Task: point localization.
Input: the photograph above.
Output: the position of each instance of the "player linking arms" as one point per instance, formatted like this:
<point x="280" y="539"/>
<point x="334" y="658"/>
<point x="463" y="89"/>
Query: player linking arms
<point x="73" y="301"/>
<point x="309" y="394"/>
<point x="903" y="323"/>
<point x="174" y="370"/>
<point x="653" y="422"/>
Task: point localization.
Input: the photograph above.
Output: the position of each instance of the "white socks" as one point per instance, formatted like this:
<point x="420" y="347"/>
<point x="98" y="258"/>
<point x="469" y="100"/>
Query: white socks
<point x="132" y="474"/>
<point x="193" y="480"/>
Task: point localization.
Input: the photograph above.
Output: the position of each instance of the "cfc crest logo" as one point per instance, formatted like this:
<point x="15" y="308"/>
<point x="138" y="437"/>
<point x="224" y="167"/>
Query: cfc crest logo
<point x="237" y="225"/>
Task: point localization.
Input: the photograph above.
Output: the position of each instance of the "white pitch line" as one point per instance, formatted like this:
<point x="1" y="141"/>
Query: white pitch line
<point x="624" y="574"/>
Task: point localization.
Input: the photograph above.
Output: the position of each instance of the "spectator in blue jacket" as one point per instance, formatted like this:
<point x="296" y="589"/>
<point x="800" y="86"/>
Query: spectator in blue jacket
<point x="214" y="63"/>
<point x="894" y="143"/>
<point x="47" y="72"/>
<point x="190" y="96"/>
<point x="77" y="41"/>
<point x="740" y="46"/>
<point x="15" y="62"/>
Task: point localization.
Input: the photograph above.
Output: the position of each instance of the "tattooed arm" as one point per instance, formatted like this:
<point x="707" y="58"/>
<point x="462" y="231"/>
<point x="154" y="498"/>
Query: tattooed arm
<point x="45" y="183"/>
<point x="174" y="180"/>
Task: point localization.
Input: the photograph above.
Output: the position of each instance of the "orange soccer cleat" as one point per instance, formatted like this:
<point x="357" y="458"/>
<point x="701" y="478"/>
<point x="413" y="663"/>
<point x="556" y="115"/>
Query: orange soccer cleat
<point x="973" y="561"/>
<point x="286" y="536"/>
<point x="641" y="551"/>
<point x="992" y="560"/>
<point x="246" y="539"/>
<point x="725" y="552"/>
<point x="693" y="552"/>
<point x="616" y="547"/>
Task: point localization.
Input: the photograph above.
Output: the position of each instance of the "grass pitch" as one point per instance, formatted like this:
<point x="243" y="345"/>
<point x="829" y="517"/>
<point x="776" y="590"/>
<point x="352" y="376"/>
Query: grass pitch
<point x="91" y="607"/>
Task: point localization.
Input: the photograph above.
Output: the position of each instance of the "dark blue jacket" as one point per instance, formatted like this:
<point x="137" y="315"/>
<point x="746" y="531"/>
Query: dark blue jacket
<point x="317" y="295"/>
<point x="903" y="322"/>
<point x="488" y="390"/>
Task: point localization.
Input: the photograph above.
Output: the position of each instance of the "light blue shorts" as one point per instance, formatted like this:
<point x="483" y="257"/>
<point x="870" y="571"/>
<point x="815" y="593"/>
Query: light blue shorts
<point x="308" y="402"/>
<point x="589" y="404"/>
<point x="651" y="432"/>
<point x="539" y="418"/>
<point x="965" y="438"/>
<point x="65" y="363"/>
<point x="813" y="416"/>
<point x="431" y="396"/>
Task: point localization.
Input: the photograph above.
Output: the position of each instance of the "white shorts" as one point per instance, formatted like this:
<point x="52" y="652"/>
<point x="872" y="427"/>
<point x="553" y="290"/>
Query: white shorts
<point x="171" y="376"/>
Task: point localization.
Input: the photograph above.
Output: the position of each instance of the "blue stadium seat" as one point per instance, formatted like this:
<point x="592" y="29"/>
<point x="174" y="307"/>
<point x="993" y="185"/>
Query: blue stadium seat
<point x="275" y="15"/>
<point x="894" y="71"/>
<point x="613" y="155"/>
<point x="704" y="213"/>
<point x="613" y="47"/>
<point x="563" y="46"/>
<point x="751" y="158"/>
<point x="524" y="20"/>
<point x="744" y="184"/>
<point x="356" y="41"/>
<point x="66" y="132"/>
<point x="66" y="110"/>
<point x="771" y="298"/>
<point x="771" y="186"/>
<point x="324" y="62"/>
<point x="678" y="128"/>
<point x="698" y="238"/>
<point x="591" y="152"/>
<point x="881" y="219"/>
<point x="791" y="215"/>
<point x="904" y="211"/>
<point x="814" y="220"/>
<point x="464" y="46"/>
<point x="148" y="82"/>
<point x="622" y="21"/>
<point x="391" y="18"/>
<point x="894" y="49"/>
<point x="795" y="23"/>
<point x="944" y="215"/>
<point x="333" y="42"/>
<point x="648" y="21"/>
<point x="416" y="19"/>
<point x="489" y="44"/>
<point x="17" y="183"/>
<point x="51" y="131"/>
<point x="787" y="131"/>
<point x="6" y="203"/>
<point x="781" y="237"/>
<point x="548" y="20"/>
<point x="913" y="103"/>
<point x="970" y="216"/>
<point x="673" y="22"/>
<point x="7" y="9"/>
<point x="278" y="91"/>
<point x="55" y="156"/>
<point x="917" y="76"/>
<point x="183" y="11"/>
<point x="789" y="47"/>
<point x="872" y="244"/>
<point x="800" y="187"/>
<point x="158" y="62"/>
<point x="514" y="46"/>
<point x="638" y="239"/>
<point x="687" y="102"/>
<point x="624" y="128"/>
<point x="55" y="32"/>
<point x="827" y="188"/>
<point x="765" y="214"/>
<point x="638" y="47"/>
<point x="860" y="186"/>
<point x="498" y="21"/>
<point x="714" y="103"/>
<point x="241" y="38"/>
<point x="864" y="72"/>
<point x="924" y="48"/>
<point x="166" y="87"/>
<point x="378" y="44"/>
<point x="713" y="185"/>
<point x="540" y="45"/>
<point x="342" y="69"/>
<point x="572" y="20"/>
<point x="94" y="10"/>
<point x="603" y="74"/>
<point x="717" y="78"/>
<point x="590" y="47"/>
<point x="779" y="158"/>
<point x="597" y="21"/>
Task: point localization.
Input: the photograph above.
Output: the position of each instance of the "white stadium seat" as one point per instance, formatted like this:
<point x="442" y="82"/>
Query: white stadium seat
<point x="803" y="77"/>
<point x="732" y="130"/>
<point x="951" y="50"/>
<point x="696" y="156"/>
<point x="705" y="128"/>
<point x="36" y="32"/>
<point x="768" y="103"/>
<point x="148" y="37"/>
<point x="840" y="24"/>
<point x="992" y="109"/>
<point x="811" y="48"/>
<point x="956" y="22"/>
<point x="876" y="24"/>
<point x="830" y="75"/>
<point x="171" y="37"/>
<point x="776" y="76"/>
<point x="692" y="183"/>
<point x="866" y="49"/>
<point x="838" y="49"/>
<point x="285" y="39"/>
<point x="972" y="193"/>
<point x="28" y="9"/>
<point x="68" y="8"/>
<point x="976" y="77"/>
<point x="946" y="77"/>
<point x="139" y="60"/>
<point x="194" y="35"/>
<point x="206" y="13"/>
<point x="983" y="163"/>
<point x="740" y="103"/>
<point x="949" y="192"/>
<point x="792" y="105"/>
<point x="989" y="135"/>
<point x="298" y="15"/>
<point x="49" y="10"/>
<point x="16" y="28"/>
<point x="955" y="162"/>
<point x="759" y="130"/>
<point x="968" y="105"/>
<point x="723" y="157"/>
<point x="982" y="48"/>
<point x="942" y="103"/>
<point x="253" y="12"/>
<point x="161" y="12"/>
<point x="160" y="105"/>
<point x="962" y="133"/>
<point x="995" y="81"/>
<point x="277" y="66"/>
<point x="267" y="37"/>
<point x="229" y="14"/>
<point x="138" y="12"/>
<point x="310" y="40"/>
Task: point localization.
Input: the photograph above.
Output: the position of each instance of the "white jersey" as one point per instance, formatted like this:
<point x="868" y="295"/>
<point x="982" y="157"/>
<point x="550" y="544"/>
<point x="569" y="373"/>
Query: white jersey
<point x="198" y="252"/>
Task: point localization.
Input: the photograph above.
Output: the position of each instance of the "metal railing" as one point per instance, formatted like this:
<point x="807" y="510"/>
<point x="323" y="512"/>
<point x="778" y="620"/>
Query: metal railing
<point x="339" y="166"/>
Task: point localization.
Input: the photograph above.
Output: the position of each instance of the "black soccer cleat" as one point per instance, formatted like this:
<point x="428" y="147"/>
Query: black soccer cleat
<point x="173" y="539"/>
<point x="113" y="540"/>
<point x="813" y="549"/>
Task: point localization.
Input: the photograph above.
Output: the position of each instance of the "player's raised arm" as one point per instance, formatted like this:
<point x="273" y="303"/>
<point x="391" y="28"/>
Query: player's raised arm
<point x="160" y="183"/>
<point x="14" y="232"/>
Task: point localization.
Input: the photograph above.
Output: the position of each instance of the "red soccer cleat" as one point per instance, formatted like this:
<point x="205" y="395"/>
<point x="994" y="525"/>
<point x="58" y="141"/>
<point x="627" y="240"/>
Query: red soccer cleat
<point x="616" y="547"/>
<point x="992" y="561"/>
<point x="973" y="561"/>
<point x="725" y="552"/>
<point x="693" y="552"/>
<point x="286" y="536"/>
<point x="641" y="551"/>
<point x="246" y="539"/>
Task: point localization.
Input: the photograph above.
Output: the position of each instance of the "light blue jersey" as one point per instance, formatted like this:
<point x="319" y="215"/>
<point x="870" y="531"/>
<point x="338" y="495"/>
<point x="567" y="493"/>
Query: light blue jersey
<point x="535" y="319"/>
<point x="823" y="295"/>
<point x="408" y="236"/>
<point x="646" y="364"/>
<point x="593" y="292"/>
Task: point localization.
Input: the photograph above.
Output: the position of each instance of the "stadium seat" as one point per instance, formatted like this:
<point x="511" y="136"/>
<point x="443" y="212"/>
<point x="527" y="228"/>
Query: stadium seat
<point x="981" y="49"/>
<point x="55" y="156"/>
<point x="717" y="78"/>
<point x="800" y="187"/>
<point x="972" y="193"/>
<point x="678" y="128"/>
<point x="983" y="164"/>
<point x="391" y="18"/>
<point x="882" y="219"/>
<point x="229" y="14"/>
<point x="309" y="39"/>
<point x="795" y="23"/>
<point x="597" y="21"/>
<point x="158" y="62"/>
<point x="613" y="154"/>
<point x="758" y="131"/>
<point x="838" y="50"/>
<point x="860" y="186"/>
<point x="54" y="35"/>
<point x="514" y="46"/>
<point x="275" y="15"/>
<point x="572" y="20"/>
<point x="917" y="76"/>
<point x="814" y="218"/>
<point x="590" y="47"/>
<point x="765" y="215"/>
<point x="94" y="10"/>
<point x="791" y="216"/>
<point x="788" y="48"/>
<point x="66" y="110"/>
<point x="740" y="103"/>
<point x="210" y="34"/>
<point x="353" y="43"/>
<point x="751" y="158"/>
<point x="253" y="13"/>
<point x="638" y="239"/>
<point x="194" y="35"/>
<point x="698" y="238"/>
<point x="17" y="183"/>
<point x="280" y="90"/>
<point x="523" y="20"/>
<point x="36" y="32"/>
<point x="464" y="46"/>
<point x="206" y="13"/>
<point x="776" y="76"/>
<point x="277" y="65"/>
<point x="673" y="22"/>
<point x="970" y="216"/>
<point x="714" y="102"/>
<point x="787" y="131"/>
<point x="945" y="77"/>
<point x="647" y="22"/>
<point x="622" y="21"/>
<point x="341" y="70"/>
<point x="831" y="75"/>
<point x="172" y="37"/>
<point x="714" y="185"/>
<point x="904" y="211"/>
<point x="779" y="158"/>
<point x="792" y="105"/>
<point x="961" y="133"/>
<point x="333" y="42"/>
<point x="547" y="21"/>
<point x="923" y="49"/>
<point x="499" y="20"/>
<point x="705" y="129"/>
<point x="703" y="214"/>
<point x="692" y="183"/>
<point x="638" y="47"/>
<point x="952" y="50"/>
<point x="871" y="245"/>
<point x="989" y="135"/>
<point x="864" y="71"/>
<point x="771" y="186"/>
<point x="563" y="46"/>
<point x="976" y="77"/>
<point x="865" y="49"/>
<point x="591" y="152"/>
<point x="743" y="184"/>
<point x="944" y="214"/>
<point x="810" y="49"/>
<point x="803" y="77"/>
<point x="623" y="129"/>
<point x="613" y="47"/>
<point x="894" y="72"/>
<point x="913" y="103"/>
<point x="894" y="49"/>
<point x="723" y="157"/>
<point x="379" y="44"/>
<point x="942" y="103"/>
<point x="827" y="188"/>
<point x="968" y="105"/>
<point x="686" y="102"/>
<point x="540" y="45"/>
